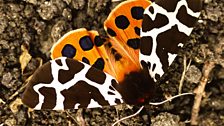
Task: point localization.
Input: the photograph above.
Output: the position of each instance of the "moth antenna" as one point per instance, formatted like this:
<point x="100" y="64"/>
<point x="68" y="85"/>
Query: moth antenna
<point x="176" y="96"/>
<point x="151" y="103"/>
<point x="127" y="117"/>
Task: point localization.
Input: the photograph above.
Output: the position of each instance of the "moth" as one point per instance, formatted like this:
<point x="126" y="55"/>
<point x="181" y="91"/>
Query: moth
<point x="88" y="70"/>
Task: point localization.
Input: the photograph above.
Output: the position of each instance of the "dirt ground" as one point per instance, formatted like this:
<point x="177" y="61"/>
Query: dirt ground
<point x="32" y="26"/>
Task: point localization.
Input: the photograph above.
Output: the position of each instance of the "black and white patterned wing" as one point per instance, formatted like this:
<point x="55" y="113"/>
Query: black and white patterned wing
<point x="165" y="28"/>
<point x="66" y="83"/>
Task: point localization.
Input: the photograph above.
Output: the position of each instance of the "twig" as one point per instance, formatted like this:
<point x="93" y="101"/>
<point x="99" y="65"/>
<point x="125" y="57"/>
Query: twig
<point x="183" y="75"/>
<point x="1" y="101"/>
<point x="130" y="116"/>
<point x="71" y="117"/>
<point x="117" y="113"/>
<point x="189" y="64"/>
<point x="80" y="118"/>
<point x="26" y="82"/>
<point x="186" y="67"/>
<point x="20" y="89"/>
<point x="208" y="66"/>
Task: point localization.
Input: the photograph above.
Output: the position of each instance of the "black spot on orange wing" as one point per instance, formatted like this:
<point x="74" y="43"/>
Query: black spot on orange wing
<point x="146" y="45"/>
<point x="99" y="64"/>
<point x="96" y="75"/>
<point x="134" y="43"/>
<point x="148" y="24"/>
<point x="109" y="45"/>
<point x="68" y="51"/>
<point x="49" y="97"/>
<point x="122" y="22"/>
<point x="86" y="43"/>
<point x="184" y="18"/>
<point x="113" y="51"/>
<point x="74" y="67"/>
<point x="111" y="32"/>
<point x="41" y="75"/>
<point x="164" y="47"/>
<point x="137" y="12"/>
<point x="98" y="41"/>
<point x="117" y="57"/>
<point x="85" y="60"/>
<point x="82" y="93"/>
<point x="137" y="31"/>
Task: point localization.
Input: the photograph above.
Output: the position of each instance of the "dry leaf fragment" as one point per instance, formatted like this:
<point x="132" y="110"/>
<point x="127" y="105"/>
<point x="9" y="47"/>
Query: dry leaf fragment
<point x="1" y="101"/>
<point x="14" y="105"/>
<point x="24" y="58"/>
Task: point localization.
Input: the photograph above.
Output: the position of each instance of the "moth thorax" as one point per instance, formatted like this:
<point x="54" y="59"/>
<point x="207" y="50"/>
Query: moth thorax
<point x="137" y="87"/>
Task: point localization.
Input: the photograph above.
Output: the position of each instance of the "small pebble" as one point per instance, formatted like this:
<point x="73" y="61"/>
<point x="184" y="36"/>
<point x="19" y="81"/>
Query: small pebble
<point x="78" y="4"/>
<point x="166" y="119"/>
<point x="10" y="122"/>
<point x="214" y="13"/>
<point x="3" y="23"/>
<point x="29" y="11"/>
<point x="4" y="44"/>
<point x="34" y="2"/>
<point x="6" y="79"/>
<point x="47" y="10"/>
<point x="145" y="118"/>
<point x="67" y="14"/>
<point x="193" y="74"/>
